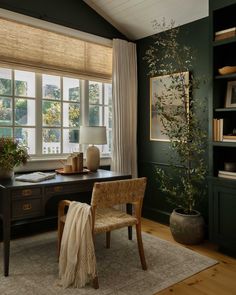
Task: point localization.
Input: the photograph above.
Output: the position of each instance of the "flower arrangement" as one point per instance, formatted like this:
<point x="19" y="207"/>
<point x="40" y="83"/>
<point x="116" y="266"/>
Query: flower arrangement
<point x="12" y="153"/>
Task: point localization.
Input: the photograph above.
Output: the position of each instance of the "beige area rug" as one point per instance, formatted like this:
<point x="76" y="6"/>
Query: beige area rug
<point x="34" y="267"/>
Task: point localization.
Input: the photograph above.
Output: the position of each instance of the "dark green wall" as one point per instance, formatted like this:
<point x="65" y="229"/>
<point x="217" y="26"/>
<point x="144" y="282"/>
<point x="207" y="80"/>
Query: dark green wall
<point x="215" y="4"/>
<point x="153" y="154"/>
<point x="70" y="13"/>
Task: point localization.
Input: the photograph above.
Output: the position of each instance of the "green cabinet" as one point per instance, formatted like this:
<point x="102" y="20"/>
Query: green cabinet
<point x="222" y="213"/>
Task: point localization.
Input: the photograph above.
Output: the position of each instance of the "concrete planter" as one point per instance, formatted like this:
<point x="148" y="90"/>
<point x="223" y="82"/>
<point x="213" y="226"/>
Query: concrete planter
<point x="187" y="229"/>
<point x="6" y="174"/>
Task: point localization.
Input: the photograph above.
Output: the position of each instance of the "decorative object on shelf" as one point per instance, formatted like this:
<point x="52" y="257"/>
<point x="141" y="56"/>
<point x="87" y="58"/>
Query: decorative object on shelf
<point x="230" y="166"/>
<point x="227" y="70"/>
<point x="158" y="88"/>
<point x="12" y="154"/>
<point x="225" y="34"/>
<point x="184" y="182"/>
<point x="93" y="135"/>
<point x="230" y="101"/>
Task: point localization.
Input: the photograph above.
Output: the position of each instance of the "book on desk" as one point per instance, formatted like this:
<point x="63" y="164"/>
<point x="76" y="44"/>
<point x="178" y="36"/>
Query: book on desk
<point x="35" y="176"/>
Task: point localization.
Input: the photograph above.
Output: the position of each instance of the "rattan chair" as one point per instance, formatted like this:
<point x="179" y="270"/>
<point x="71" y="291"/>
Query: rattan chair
<point x="105" y="196"/>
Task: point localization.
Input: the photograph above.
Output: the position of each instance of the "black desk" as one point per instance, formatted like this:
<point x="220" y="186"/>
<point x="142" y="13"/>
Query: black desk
<point x="26" y="201"/>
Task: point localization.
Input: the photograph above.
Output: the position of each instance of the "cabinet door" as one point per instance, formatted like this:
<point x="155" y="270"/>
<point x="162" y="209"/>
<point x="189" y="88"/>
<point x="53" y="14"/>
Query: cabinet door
<point x="224" y="216"/>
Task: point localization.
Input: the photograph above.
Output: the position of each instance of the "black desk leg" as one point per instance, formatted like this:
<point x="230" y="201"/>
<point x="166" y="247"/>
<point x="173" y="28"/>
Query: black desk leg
<point x="129" y="211"/>
<point x="6" y="247"/>
<point x="6" y="234"/>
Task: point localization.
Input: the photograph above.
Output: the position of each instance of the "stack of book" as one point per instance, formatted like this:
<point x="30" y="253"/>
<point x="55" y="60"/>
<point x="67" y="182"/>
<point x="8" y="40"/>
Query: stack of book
<point x="229" y="138"/>
<point x="225" y="34"/>
<point x="218" y="129"/>
<point x="227" y="174"/>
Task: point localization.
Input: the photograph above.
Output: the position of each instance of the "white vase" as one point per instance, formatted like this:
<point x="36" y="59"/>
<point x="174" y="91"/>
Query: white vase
<point x="6" y="174"/>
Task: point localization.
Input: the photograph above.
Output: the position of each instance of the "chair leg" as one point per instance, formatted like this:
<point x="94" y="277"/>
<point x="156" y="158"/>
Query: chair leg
<point x="95" y="283"/>
<point x="130" y="232"/>
<point x="108" y="239"/>
<point x="140" y="246"/>
<point x="59" y="233"/>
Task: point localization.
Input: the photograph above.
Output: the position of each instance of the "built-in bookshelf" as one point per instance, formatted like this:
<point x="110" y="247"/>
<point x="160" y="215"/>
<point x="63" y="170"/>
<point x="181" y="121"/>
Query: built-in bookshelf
<point x="224" y="85"/>
<point x="222" y="163"/>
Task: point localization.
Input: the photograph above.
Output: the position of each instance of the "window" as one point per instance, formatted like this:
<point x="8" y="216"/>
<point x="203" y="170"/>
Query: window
<point x="100" y="111"/>
<point x="45" y="111"/>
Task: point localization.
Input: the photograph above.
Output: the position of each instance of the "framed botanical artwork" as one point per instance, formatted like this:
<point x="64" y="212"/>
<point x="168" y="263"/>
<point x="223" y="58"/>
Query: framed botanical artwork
<point x="230" y="101"/>
<point x="164" y="87"/>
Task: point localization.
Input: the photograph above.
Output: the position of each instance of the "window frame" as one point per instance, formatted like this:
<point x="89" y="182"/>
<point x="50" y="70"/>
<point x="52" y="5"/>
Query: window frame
<point x="84" y="110"/>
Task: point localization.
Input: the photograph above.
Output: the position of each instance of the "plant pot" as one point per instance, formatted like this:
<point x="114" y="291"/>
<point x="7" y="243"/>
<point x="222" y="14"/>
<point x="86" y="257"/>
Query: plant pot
<point x="187" y="229"/>
<point x="6" y="174"/>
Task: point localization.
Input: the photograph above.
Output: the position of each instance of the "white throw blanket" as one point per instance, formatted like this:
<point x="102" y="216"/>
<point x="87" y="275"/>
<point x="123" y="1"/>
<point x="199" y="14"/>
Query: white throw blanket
<point x="77" y="261"/>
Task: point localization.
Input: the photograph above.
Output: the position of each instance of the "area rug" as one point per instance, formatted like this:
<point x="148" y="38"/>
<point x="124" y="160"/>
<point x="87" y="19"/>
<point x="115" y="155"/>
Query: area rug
<point x="34" y="266"/>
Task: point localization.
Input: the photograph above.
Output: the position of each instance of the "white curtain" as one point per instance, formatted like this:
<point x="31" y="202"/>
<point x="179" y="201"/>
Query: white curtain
<point x="124" y="88"/>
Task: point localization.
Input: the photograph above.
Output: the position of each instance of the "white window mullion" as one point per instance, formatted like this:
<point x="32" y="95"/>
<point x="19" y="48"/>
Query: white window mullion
<point x="84" y="107"/>
<point x="62" y="105"/>
<point x="85" y="102"/>
<point x="38" y="115"/>
<point x="13" y="103"/>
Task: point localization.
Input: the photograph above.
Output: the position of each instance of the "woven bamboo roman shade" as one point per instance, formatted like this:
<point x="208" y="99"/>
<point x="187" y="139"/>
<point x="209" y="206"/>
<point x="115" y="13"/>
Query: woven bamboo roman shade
<point x="25" y="45"/>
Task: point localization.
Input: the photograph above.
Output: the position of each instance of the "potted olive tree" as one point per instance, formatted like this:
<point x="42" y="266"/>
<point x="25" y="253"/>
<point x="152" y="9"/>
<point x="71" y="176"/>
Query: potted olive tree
<point x="184" y="183"/>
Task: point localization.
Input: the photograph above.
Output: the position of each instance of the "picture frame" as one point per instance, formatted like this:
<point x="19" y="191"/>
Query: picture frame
<point x="230" y="101"/>
<point x="158" y="86"/>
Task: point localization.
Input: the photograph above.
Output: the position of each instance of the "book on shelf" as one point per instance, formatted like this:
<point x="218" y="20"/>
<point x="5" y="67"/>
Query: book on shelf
<point x="227" y="174"/>
<point x="224" y="172"/>
<point x="224" y="34"/>
<point x="229" y="138"/>
<point x="218" y="125"/>
<point x="35" y="176"/>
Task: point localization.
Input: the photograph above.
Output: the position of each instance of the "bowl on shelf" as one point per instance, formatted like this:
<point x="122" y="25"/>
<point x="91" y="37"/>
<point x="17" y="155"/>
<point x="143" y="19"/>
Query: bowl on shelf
<point x="230" y="166"/>
<point x="227" y="70"/>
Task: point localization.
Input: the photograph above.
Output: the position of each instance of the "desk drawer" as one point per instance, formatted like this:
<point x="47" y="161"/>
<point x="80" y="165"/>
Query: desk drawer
<point x="27" y="208"/>
<point x="68" y="188"/>
<point x="27" y="192"/>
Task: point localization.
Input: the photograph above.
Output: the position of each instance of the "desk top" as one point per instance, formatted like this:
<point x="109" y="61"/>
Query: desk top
<point x="100" y="175"/>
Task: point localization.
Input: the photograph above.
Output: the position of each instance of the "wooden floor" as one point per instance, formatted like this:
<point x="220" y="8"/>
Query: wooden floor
<point x="217" y="280"/>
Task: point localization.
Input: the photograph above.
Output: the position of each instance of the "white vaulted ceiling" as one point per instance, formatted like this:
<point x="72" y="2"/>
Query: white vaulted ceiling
<point x="134" y="18"/>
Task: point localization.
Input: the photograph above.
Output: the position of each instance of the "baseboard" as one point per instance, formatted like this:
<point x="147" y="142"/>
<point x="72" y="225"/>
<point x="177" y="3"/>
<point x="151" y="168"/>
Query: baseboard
<point x="156" y="215"/>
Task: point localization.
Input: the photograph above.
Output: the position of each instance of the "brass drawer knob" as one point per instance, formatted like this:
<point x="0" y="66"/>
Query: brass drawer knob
<point x="27" y="206"/>
<point x="58" y="189"/>
<point x="26" y="192"/>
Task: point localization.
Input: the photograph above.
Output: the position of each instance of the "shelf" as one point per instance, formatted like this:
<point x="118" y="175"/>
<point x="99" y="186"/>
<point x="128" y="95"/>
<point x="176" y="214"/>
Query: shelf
<point x="225" y="110"/>
<point x="224" y="143"/>
<point x="224" y="41"/>
<point x="229" y="76"/>
<point x="222" y="179"/>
